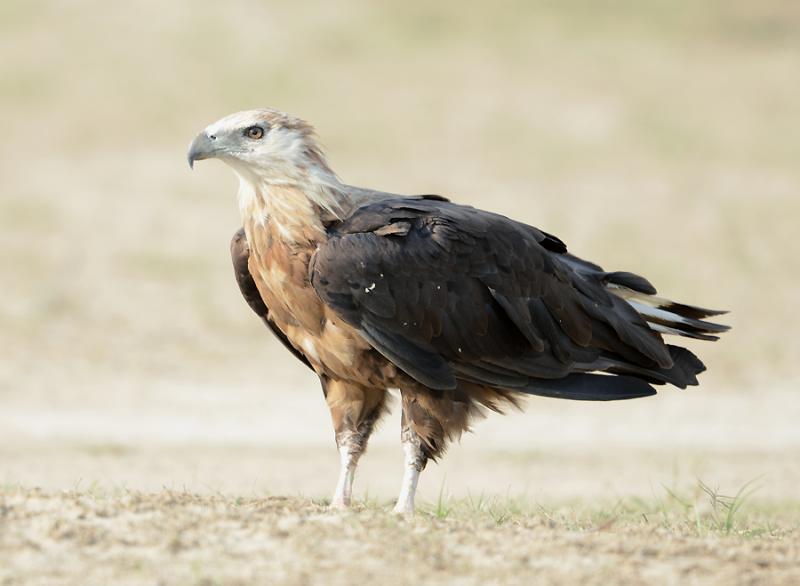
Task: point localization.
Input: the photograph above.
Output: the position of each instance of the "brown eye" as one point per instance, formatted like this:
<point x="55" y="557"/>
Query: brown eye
<point x="254" y="132"/>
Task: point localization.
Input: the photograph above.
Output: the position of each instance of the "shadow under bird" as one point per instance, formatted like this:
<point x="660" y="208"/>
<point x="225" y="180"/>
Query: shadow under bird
<point x="459" y="309"/>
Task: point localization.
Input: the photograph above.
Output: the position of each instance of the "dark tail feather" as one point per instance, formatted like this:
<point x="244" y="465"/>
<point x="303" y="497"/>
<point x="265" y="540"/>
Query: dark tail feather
<point x="683" y="373"/>
<point x="590" y="387"/>
<point x="692" y="311"/>
<point x="686" y="367"/>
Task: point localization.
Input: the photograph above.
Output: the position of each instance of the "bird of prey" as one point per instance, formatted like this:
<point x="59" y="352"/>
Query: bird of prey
<point x="459" y="309"/>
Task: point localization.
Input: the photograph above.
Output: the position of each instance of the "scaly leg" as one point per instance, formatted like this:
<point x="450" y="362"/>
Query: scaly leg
<point x="413" y="464"/>
<point x="349" y="454"/>
<point x="354" y="411"/>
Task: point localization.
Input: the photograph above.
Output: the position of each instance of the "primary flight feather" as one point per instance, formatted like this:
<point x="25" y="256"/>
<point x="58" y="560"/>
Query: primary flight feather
<point x="456" y="307"/>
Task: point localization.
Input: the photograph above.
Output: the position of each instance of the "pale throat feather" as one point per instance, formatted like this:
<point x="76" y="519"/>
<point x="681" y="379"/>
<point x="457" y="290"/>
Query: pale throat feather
<point x="295" y="210"/>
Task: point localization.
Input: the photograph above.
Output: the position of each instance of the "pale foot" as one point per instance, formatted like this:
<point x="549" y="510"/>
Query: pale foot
<point x="339" y="503"/>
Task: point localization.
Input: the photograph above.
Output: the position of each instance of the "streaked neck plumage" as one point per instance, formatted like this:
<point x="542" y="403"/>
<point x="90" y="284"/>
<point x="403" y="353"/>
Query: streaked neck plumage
<point x="295" y="201"/>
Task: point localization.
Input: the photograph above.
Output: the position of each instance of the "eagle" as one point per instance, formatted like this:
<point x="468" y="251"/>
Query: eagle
<point x="458" y="309"/>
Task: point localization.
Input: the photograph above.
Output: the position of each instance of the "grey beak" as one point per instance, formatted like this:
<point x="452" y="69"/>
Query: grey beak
<point x="202" y="147"/>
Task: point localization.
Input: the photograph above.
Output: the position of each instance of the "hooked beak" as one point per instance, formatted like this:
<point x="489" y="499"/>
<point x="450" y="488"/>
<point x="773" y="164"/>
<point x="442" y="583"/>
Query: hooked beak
<point x="204" y="146"/>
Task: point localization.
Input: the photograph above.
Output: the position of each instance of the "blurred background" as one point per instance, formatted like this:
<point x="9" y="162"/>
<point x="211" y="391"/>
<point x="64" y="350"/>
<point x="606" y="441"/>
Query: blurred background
<point x="658" y="137"/>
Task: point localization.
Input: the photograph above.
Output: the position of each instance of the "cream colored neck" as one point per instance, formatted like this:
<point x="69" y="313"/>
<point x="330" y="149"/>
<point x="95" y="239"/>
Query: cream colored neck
<point x="295" y="211"/>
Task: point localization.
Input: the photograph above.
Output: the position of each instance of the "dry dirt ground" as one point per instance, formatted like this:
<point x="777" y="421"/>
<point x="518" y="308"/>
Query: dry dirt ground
<point x="182" y="538"/>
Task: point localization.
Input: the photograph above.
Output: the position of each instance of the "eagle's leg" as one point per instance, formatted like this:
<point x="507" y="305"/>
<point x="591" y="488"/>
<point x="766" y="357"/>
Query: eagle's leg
<point x="354" y="410"/>
<point x="414" y="462"/>
<point x="423" y="437"/>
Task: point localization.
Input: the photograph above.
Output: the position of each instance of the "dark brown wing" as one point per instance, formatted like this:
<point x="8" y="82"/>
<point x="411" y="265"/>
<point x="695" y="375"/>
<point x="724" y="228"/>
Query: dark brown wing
<point x="240" y="254"/>
<point x="450" y="293"/>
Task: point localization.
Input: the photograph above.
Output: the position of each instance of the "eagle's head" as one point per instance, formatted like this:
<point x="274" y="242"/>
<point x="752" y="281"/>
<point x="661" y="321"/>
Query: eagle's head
<point x="261" y="145"/>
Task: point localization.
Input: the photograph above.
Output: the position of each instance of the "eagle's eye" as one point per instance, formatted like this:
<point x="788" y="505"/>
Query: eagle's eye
<point x="254" y="132"/>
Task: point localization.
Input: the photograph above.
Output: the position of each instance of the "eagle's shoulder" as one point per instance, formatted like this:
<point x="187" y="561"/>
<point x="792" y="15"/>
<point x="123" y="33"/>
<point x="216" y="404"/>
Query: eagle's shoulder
<point x="376" y="215"/>
<point x="397" y="216"/>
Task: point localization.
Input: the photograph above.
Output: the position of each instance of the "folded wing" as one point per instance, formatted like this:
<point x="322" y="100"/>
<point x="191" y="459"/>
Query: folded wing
<point x="448" y="293"/>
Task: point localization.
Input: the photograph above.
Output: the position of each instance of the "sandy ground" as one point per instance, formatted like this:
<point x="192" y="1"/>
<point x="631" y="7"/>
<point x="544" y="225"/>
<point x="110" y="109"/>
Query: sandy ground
<point x="178" y="538"/>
